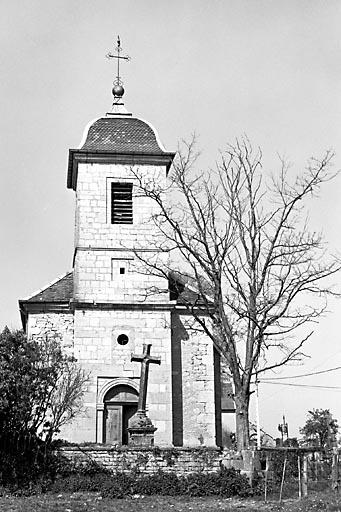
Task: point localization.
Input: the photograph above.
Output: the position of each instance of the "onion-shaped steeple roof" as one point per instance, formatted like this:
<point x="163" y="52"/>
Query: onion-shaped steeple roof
<point x="127" y="134"/>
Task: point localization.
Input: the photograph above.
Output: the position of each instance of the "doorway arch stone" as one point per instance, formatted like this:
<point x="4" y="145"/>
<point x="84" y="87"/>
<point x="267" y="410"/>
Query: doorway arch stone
<point x="119" y="398"/>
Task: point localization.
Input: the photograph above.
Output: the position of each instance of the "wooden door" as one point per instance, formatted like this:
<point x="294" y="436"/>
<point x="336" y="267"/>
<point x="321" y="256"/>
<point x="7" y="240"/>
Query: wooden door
<point x="128" y="411"/>
<point x="112" y="424"/>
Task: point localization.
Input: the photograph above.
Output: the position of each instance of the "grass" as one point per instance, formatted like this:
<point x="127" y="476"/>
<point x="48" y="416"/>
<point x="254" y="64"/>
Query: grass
<point x="86" y="502"/>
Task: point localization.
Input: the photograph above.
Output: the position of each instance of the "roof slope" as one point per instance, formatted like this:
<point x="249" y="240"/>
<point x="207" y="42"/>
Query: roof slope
<point x="122" y="135"/>
<point x="184" y="289"/>
<point x="59" y="291"/>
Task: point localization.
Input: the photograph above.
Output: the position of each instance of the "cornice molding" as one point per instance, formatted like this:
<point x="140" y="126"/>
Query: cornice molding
<point x="77" y="156"/>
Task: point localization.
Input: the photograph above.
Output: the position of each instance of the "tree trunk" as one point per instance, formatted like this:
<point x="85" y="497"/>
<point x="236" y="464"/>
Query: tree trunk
<point x="242" y="420"/>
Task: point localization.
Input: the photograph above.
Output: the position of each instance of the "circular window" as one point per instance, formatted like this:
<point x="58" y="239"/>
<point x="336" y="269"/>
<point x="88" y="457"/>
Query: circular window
<point x="122" y="339"/>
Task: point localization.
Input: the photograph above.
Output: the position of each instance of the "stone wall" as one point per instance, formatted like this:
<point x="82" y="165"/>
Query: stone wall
<point x="52" y="325"/>
<point x="93" y="201"/>
<point x="106" y="268"/>
<point x="193" y="385"/>
<point x="151" y="460"/>
<point x="180" y="396"/>
<point x="198" y="398"/>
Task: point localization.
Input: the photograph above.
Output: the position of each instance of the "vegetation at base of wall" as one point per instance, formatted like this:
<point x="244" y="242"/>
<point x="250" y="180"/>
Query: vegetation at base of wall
<point x="64" y="476"/>
<point x="276" y="461"/>
<point x="225" y="483"/>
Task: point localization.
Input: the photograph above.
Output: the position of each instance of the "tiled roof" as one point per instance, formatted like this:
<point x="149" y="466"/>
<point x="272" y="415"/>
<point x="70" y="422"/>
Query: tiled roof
<point x="122" y="135"/>
<point x="184" y="289"/>
<point x="59" y="291"/>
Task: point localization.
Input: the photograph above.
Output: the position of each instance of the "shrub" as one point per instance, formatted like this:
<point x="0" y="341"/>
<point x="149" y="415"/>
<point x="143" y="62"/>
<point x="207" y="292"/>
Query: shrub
<point x="63" y="475"/>
<point x="80" y="482"/>
<point x="200" y="484"/>
<point x="277" y="463"/>
<point x="227" y="483"/>
<point x="232" y="483"/>
<point x="159" y="483"/>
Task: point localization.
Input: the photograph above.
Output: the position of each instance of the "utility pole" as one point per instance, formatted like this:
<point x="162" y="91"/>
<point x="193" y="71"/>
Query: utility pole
<point x="257" y="416"/>
<point x="283" y="428"/>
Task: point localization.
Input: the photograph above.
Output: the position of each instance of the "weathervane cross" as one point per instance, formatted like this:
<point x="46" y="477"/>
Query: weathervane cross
<point x="118" y="56"/>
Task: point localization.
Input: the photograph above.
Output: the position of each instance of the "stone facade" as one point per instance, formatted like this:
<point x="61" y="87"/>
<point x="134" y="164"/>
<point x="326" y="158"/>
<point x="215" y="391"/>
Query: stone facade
<point x="91" y="335"/>
<point x="110" y="305"/>
<point x="103" y="248"/>
<point x="98" y="351"/>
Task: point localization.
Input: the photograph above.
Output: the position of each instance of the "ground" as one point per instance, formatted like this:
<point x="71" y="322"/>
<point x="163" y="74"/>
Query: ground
<point x="92" y="502"/>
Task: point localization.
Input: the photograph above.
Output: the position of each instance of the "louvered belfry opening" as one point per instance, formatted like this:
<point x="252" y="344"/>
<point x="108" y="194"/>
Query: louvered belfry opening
<point x="121" y="203"/>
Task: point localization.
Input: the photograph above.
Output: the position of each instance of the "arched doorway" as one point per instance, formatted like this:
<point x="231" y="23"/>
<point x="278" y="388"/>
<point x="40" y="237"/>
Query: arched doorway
<point x="120" y="404"/>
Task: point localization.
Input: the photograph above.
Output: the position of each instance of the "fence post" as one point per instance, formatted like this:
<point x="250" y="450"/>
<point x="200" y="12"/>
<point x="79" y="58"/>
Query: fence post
<point x="305" y="476"/>
<point x="266" y="478"/>
<point x="283" y="477"/>
<point x="335" y="470"/>
<point x="299" y="475"/>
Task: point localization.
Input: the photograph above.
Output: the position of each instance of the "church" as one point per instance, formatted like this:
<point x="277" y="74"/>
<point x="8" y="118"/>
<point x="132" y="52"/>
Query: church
<point x="100" y="310"/>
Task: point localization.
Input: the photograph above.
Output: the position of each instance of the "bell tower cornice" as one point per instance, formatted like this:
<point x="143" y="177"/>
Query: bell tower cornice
<point x="77" y="156"/>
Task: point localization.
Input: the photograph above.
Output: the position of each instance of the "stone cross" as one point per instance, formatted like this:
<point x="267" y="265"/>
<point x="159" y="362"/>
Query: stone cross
<point x="145" y="359"/>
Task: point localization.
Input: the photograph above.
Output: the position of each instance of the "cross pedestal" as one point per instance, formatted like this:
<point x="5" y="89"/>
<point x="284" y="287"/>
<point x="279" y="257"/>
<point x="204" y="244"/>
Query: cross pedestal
<point x="141" y="429"/>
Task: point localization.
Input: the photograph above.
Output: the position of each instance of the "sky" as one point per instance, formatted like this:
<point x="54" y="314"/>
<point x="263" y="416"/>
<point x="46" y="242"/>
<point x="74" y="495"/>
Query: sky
<point x="219" y="68"/>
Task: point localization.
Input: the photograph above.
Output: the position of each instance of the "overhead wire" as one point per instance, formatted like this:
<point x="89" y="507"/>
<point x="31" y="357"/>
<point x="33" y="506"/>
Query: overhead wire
<point x="299" y="376"/>
<point x="300" y="385"/>
<point x="327" y="359"/>
<point x="270" y="380"/>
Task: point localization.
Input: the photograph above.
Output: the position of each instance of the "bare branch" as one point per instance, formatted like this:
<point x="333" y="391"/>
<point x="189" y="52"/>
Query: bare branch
<point x="242" y="243"/>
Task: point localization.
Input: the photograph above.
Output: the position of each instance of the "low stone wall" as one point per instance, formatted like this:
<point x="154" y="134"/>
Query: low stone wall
<point x="151" y="460"/>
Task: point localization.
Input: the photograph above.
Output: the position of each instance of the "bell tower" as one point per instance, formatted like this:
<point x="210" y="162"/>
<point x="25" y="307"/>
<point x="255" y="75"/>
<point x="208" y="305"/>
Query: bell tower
<point x="113" y="219"/>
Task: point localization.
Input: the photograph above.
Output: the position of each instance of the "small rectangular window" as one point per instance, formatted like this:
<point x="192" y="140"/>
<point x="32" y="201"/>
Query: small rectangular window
<point x="121" y="203"/>
<point x="120" y="268"/>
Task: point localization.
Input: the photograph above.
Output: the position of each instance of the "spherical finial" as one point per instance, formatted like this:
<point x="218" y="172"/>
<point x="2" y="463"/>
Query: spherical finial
<point x="118" y="91"/>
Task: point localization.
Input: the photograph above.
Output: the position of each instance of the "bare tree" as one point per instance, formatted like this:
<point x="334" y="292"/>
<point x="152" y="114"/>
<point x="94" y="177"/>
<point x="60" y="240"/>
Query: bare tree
<point x="243" y="242"/>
